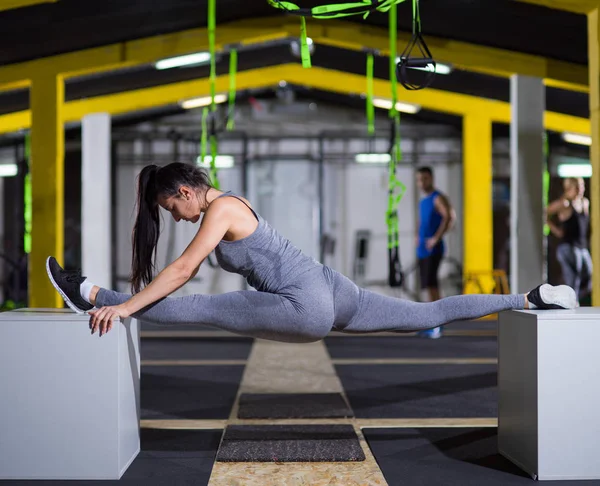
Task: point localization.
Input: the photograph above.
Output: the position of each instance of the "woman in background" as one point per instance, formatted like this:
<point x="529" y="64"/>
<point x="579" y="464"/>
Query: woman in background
<point x="572" y="212"/>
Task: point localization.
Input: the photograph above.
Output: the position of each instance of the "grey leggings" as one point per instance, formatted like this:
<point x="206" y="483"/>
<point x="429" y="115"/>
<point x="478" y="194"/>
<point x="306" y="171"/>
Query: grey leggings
<point x="576" y="265"/>
<point x="319" y="300"/>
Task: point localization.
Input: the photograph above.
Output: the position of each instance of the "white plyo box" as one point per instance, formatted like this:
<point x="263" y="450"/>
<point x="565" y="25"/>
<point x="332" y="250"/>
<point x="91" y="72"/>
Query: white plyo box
<point x="549" y="392"/>
<point x="69" y="400"/>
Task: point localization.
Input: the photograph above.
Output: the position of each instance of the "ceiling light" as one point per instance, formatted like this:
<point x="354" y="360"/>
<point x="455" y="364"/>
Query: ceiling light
<point x="577" y="138"/>
<point x="373" y="158"/>
<point x="187" y="60"/>
<point x="203" y="101"/>
<point x="400" y="106"/>
<point x="296" y="46"/>
<point x="221" y="162"/>
<point x="575" y="170"/>
<point x="8" y="170"/>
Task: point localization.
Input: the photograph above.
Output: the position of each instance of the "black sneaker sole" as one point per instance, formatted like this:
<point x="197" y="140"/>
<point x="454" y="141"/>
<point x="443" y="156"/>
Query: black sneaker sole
<point x="62" y="294"/>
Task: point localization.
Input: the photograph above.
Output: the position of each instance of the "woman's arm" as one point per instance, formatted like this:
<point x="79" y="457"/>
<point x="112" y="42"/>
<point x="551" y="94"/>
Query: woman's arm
<point x="555" y="230"/>
<point x="195" y="271"/>
<point x="214" y="225"/>
<point x="445" y="210"/>
<point x="555" y="207"/>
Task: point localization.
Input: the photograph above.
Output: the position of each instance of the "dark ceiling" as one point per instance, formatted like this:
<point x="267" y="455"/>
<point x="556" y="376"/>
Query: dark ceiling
<point x="69" y="25"/>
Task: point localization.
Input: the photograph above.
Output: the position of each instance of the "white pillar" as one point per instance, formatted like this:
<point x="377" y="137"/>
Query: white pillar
<point x="96" y="255"/>
<point x="528" y="101"/>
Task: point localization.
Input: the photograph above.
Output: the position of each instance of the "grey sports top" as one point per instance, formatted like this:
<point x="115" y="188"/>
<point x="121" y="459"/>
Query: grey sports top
<point x="268" y="261"/>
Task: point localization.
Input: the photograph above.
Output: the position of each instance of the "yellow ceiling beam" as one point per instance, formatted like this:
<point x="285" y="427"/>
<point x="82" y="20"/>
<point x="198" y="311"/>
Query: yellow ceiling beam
<point x="576" y="6"/>
<point x="347" y="35"/>
<point x="74" y="63"/>
<point x="11" y="4"/>
<point x="432" y="99"/>
<point x="143" y="99"/>
<point x="318" y="78"/>
<point x="470" y="57"/>
<point x="9" y="86"/>
<point x="559" y="122"/>
<point x="13" y="122"/>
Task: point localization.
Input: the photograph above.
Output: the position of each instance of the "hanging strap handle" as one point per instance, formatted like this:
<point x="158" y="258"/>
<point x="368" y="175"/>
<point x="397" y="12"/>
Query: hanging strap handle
<point x="423" y="61"/>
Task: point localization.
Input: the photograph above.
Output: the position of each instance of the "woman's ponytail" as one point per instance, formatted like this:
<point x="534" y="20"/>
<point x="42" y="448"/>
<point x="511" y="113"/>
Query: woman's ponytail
<point x="146" y="230"/>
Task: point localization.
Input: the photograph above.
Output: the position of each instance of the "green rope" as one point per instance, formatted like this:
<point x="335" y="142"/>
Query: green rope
<point x="304" y="49"/>
<point x="364" y="8"/>
<point x="546" y="178"/>
<point x="204" y="135"/>
<point x="232" y="89"/>
<point x="212" y="10"/>
<point x="27" y="210"/>
<point x="396" y="188"/>
<point x="370" y="105"/>
<point x="393" y="31"/>
<point x="394" y="184"/>
<point x="211" y="48"/>
<point x="416" y="24"/>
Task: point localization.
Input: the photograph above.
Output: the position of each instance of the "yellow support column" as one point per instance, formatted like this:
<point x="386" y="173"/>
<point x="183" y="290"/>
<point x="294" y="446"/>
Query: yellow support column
<point x="478" y="258"/>
<point x="594" y="75"/>
<point x="47" y="183"/>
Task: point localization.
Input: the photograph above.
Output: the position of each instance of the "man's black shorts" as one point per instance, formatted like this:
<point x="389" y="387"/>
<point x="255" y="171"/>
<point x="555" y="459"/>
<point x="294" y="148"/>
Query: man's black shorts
<point x="428" y="270"/>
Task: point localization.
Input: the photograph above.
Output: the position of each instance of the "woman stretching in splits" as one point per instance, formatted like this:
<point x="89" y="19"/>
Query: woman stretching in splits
<point x="298" y="299"/>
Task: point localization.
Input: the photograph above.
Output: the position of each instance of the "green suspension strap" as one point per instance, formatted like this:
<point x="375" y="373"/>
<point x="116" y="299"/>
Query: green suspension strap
<point x="27" y="212"/>
<point x="232" y="89"/>
<point x="204" y="135"/>
<point x="304" y="49"/>
<point x="396" y="188"/>
<point x="546" y="179"/>
<point x="213" y="107"/>
<point x="210" y="116"/>
<point x="364" y="8"/>
<point x="370" y="105"/>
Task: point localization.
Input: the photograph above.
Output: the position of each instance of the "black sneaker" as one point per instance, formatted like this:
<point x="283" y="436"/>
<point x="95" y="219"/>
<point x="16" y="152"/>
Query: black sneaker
<point x="548" y="296"/>
<point x="67" y="284"/>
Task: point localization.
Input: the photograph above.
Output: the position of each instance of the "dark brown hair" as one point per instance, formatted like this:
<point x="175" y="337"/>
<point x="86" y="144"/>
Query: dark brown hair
<point x="153" y="182"/>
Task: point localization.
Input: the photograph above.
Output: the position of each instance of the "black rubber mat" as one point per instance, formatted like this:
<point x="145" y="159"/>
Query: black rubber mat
<point x="290" y="443"/>
<point x="189" y="392"/>
<point x="192" y="348"/>
<point x="421" y="391"/>
<point x="412" y="347"/>
<point x="293" y="405"/>
<point x="447" y="457"/>
<point x="174" y="457"/>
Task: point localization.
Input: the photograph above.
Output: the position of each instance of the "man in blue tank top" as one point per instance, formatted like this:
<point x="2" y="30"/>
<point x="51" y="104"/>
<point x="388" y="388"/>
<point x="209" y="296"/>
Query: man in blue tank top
<point x="436" y="217"/>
